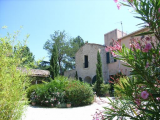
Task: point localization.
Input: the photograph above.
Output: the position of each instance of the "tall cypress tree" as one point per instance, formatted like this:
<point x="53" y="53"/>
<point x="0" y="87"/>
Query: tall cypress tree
<point x="54" y="71"/>
<point x="99" y="77"/>
<point x="76" y="76"/>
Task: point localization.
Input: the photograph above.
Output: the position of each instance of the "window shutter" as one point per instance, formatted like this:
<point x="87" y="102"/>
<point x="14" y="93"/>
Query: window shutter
<point x="107" y="57"/>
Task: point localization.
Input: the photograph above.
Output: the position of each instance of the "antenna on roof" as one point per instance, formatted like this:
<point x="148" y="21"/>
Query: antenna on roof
<point x="121" y="26"/>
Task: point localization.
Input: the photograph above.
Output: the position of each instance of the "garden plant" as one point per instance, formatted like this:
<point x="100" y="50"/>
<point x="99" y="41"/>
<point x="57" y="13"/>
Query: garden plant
<point x="140" y="92"/>
<point x="61" y="91"/>
<point x="13" y="82"/>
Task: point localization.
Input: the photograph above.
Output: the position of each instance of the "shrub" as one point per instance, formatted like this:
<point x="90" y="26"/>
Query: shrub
<point x="61" y="90"/>
<point x="48" y="94"/>
<point x="119" y="87"/>
<point x="79" y="93"/>
<point x="105" y="89"/>
<point x="12" y="82"/>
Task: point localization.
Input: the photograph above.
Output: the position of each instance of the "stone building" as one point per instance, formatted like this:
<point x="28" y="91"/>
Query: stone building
<point x="86" y="57"/>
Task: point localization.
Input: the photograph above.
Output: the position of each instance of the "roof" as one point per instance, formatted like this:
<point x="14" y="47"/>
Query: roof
<point x="90" y="44"/>
<point x="133" y="33"/>
<point x="35" y="72"/>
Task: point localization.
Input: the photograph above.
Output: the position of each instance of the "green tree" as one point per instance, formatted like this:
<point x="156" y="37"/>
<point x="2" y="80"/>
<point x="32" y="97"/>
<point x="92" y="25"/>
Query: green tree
<point x="66" y="49"/>
<point x="99" y="78"/>
<point x="54" y="70"/>
<point x="26" y="55"/>
<point x="76" y="76"/>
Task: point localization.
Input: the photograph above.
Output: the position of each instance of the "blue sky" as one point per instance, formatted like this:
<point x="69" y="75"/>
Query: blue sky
<point x="90" y="19"/>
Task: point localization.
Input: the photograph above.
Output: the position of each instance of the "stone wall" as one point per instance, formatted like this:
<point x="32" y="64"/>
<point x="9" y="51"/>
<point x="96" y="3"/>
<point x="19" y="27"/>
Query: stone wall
<point x="89" y="49"/>
<point x="70" y="73"/>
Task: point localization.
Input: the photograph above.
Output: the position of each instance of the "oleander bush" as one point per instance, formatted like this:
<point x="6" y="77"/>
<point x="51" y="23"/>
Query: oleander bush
<point x="60" y="91"/>
<point x="119" y="87"/>
<point x="142" y="87"/>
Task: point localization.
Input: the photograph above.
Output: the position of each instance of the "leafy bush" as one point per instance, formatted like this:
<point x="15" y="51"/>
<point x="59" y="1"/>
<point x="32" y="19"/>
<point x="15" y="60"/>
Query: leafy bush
<point x="12" y="82"/>
<point x="61" y="90"/>
<point x="119" y="87"/>
<point x="48" y="94"/>
<point x="79" y="93"/>
<point x="105" y="89"/>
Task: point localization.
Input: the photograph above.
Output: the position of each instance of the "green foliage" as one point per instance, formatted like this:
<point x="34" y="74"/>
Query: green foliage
<point x="79" y="93"/>
<point x="99" y="78"/>
<point x="66" y="49"/>
<point x="25" y="55"/>
<point x="12" y="81"/>
<point x="114" y="80"/>
<point x="140" y="92"/>
<point x="105" y="89"/>
<point x="76" y="76"/>
<point x="61" y="90"/>
<point x="44" y="65"/>
<point x="48" y="94"/>
<point x="54" y="70"/>
<point x="120" y="87"/>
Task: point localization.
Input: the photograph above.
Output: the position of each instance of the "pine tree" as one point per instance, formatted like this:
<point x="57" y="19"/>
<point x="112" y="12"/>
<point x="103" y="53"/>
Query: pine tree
<point x="99" y="77"/>
<point x="54" y="71"/>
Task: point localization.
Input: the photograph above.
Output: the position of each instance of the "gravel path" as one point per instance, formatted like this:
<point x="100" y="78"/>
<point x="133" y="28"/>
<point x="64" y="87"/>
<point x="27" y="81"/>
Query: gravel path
<point x="77" y="113"/>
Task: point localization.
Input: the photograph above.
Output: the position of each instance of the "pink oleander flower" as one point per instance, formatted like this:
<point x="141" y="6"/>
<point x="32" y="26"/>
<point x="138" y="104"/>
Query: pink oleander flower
<point x="115" y="1"/>
<point x="147" y="38"/>
<point x="147" y="65"/>
<point x="147" y="47"/>
<point x="52" y="105"/>
<point x="159" y="10"/>
<point x="118" y="6"/>
<point x="137" y="46"/>
<point x="138" y="102"/>
<point x="158" y="98"/>
<point x="144" y="94"/>
<point x="114" y="55"/>
<point x="106" y="49"/>
<point x="117" y="47"/>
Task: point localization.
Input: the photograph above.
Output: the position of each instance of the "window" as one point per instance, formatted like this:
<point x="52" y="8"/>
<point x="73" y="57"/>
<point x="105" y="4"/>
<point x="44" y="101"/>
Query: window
<point x="110" y="58"/>
<point x="86" y="63"/>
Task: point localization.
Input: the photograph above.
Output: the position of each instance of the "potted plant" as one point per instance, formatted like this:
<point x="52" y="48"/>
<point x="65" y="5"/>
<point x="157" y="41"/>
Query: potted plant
<point x="33" y="98"/>
<point x="68" y="104"/>
<point x="33" y="103"/>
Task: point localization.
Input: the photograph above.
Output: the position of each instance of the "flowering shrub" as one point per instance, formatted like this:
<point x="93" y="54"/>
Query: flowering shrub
<point x="142" y="88"/>
<point x="49" y="94"/>
<point x="59" y="91"/>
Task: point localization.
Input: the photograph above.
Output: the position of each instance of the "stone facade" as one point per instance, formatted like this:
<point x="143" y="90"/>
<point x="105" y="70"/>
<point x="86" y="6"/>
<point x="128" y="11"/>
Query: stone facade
<point x="110" y="66"/>
<point x="70" y="73"/>
<point x="90" y="50"/>
<point x="116" y="67"/>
